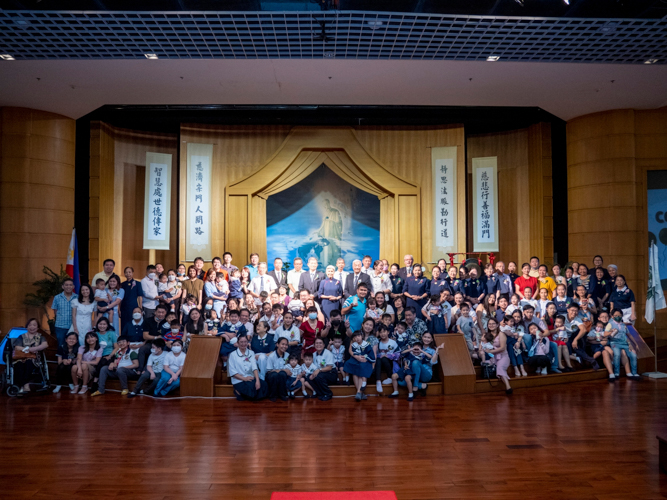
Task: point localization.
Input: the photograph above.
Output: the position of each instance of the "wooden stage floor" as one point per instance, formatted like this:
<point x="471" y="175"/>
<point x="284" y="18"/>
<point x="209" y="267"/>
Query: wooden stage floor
<point x="591" y="440"/>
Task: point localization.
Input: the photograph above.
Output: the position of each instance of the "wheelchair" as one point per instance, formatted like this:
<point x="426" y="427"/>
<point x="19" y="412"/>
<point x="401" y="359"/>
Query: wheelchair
<point x="40" y="371"/>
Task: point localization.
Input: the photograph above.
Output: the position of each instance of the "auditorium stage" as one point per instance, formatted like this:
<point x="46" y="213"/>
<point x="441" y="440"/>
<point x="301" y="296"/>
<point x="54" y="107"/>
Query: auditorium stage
<point x="589" y="440"/>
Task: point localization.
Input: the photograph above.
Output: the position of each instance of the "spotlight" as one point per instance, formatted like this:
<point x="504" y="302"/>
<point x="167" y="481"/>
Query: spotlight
<point x="492" y="58"/>
<point x="651" y="61"/>
<point x="7" y="57"/>
<point x="520" y="2"/>
<point x="567" y="2"/>
<point x="151" y="56"/>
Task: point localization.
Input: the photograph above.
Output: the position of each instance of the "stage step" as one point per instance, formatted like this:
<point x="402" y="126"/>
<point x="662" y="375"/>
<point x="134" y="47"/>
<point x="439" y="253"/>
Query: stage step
<point x="434" y="389"/>
<point x="494" y="385"/>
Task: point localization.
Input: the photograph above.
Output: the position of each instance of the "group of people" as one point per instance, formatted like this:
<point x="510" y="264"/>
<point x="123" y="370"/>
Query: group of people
<point x="286" y="334"/>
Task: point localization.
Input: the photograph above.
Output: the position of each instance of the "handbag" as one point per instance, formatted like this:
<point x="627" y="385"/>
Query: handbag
<point x="488" y="371"/>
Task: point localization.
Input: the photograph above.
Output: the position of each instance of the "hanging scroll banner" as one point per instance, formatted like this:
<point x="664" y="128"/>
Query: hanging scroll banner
<point x="485" y="204"/>
<point x="157" y="201"/>
<point x="445" y="202"/>
<point x="198" y="211"/>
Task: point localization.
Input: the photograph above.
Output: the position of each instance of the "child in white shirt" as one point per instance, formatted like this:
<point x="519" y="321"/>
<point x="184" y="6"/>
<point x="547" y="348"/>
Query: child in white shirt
<point x="308" y="368"/>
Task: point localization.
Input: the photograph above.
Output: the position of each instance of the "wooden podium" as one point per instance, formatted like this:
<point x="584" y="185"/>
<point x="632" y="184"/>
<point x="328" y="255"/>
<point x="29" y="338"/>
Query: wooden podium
<point x="458" y="372"/>
<point x="198" y="374"/>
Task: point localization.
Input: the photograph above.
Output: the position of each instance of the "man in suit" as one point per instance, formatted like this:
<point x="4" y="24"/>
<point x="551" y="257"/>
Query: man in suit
<point x="310" y="280"/>
<point x="278" y="275"/>
<point x="406" y="271"/>
<point x="354" y="278"/>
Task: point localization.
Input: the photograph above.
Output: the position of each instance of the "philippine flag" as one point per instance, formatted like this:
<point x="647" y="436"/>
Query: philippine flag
<point x="73" y="262"/>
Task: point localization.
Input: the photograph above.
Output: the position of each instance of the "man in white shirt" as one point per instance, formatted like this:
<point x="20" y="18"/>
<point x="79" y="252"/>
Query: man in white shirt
<point x="149" y="289"/>
<point x="339" y="273"/>
<point x="366" y="265"/>
<point x="262" y="282"/>
<point x="293" y="277"/>
<point x="380" y="281"/>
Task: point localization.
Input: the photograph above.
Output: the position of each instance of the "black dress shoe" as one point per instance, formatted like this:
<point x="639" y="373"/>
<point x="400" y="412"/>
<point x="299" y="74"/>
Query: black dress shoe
<point x="509" y="391"/>
<point x="325" y="398"/>
<point x="422" y="392"/>
<point x="284" y="398"/>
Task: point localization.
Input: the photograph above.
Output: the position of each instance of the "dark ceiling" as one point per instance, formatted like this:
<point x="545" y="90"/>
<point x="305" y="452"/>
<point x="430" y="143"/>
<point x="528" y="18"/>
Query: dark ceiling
<point x="609" y="9"/>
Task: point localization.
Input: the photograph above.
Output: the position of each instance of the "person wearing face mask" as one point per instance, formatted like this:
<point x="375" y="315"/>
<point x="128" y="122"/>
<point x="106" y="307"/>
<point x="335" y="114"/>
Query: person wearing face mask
<point x="154" y="328"/>
<point x="150" y="292"/>
<point x="312" y="328"/>
<point x="133" y="298"/>
<point x="170" y="378"/>
<point x="340" y="329"/>
<point x="134" y="330"/>
<point x="153" y="370"/>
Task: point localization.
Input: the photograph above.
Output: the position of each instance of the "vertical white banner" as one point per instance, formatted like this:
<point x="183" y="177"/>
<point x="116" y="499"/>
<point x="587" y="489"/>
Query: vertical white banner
<point x="445" y="229"/>
<point x="157" y="201"/>
<point x="485" y="204"/>
<point x="198" y="212"/>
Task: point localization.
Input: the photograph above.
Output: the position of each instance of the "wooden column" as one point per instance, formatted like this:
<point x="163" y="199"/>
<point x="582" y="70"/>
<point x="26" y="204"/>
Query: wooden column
<point x="36" y="203"/>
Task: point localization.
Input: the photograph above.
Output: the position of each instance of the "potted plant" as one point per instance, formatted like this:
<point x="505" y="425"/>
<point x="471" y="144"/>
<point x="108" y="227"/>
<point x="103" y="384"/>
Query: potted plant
<point x="47" y="288"/>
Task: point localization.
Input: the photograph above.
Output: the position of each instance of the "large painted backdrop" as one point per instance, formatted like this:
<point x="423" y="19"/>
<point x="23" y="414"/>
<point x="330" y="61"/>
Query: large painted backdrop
<point x="325" y="217"/>
<point x="657" y="217"/>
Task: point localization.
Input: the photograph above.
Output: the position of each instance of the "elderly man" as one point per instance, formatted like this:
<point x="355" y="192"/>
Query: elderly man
<point x="506" y="289"/>
<point x="406" y="271"/>
<point x="354" y="278"/>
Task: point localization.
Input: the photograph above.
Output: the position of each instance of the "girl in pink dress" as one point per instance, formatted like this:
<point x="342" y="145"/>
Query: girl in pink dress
<point x="499" y="351"/>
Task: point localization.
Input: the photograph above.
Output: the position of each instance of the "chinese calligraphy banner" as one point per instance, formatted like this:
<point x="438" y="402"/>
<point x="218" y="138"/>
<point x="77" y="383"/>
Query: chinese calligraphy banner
<point x="198" y="211"/>
<point x="485" y="204"/>
<point x="445" y="230"/>
<point x="157" y="201"/>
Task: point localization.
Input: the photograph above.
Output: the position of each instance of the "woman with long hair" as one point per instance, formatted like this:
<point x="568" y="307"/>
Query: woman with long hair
<point x="83" y="311"/>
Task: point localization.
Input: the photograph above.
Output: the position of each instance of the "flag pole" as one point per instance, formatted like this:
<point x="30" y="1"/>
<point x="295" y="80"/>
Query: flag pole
<point x="655" y="282"/>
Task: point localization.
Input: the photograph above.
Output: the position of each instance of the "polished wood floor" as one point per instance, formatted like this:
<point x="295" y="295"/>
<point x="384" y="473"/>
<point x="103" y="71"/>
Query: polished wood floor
<point x="590" y="440"/>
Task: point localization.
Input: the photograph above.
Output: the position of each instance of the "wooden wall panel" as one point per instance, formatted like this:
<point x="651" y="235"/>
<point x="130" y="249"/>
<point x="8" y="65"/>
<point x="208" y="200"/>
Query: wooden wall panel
<point x="610" y="153"/>
<point x="36" y="203"/>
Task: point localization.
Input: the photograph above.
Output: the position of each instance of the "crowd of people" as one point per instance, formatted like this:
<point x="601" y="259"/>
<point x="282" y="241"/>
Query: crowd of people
<point x="296" y="333"/>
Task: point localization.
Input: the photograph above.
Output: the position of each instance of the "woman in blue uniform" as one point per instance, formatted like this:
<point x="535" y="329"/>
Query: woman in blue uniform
<point x="360" y="364"/>
<point x="262" y="345"/>
<point x="416" y="289"/>
<point x="438" y="283"/>
<point x="330" y="292"/>
<point x="624" y="299"/>
<point x="396" y="282"/>
<point x="243" y="371"/>
<point x="455" y="284"/>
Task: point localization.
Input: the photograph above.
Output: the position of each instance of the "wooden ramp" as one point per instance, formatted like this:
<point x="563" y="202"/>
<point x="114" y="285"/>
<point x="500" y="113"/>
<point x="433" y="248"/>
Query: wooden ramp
<point x="200" y="365"/>
<point x="458" y="373"/>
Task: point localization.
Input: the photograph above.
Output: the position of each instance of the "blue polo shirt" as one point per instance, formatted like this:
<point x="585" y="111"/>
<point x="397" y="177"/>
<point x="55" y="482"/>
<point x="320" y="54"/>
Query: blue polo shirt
<point x="134" y="332"/>
<point x="622" y="299"/>
<point x="357" y="313"/>
<point x="252" y="270"/>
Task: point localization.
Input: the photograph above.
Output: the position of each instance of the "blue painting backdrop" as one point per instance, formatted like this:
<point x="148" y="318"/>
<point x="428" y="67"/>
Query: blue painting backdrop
<point x="325" y="217"/>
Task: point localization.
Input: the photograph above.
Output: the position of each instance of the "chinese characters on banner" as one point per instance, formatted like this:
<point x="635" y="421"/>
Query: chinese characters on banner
<point x="157" y="201"/>
<point x="445" y="200"/>
<point x="199" y="200"/>
<point x="485" y="204"/>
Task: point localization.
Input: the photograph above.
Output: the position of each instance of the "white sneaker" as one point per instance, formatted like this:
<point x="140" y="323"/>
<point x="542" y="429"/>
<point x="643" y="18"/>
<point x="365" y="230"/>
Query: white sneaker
<point x="544" y="371"/>
<point x="386" y="381"/>
<point x="378" y="387"/>
<point x="517" y="373"/>
<point x="57" y="389"/>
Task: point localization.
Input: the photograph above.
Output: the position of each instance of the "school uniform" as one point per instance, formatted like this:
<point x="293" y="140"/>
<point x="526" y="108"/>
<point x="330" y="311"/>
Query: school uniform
<point x="244" y="364"/>
<point x="598" y="289"/>
<point x="339" y="355"/>
<point x="455" y="286"/>
<point x="623" y="299"/>
<point x="293" y="334"/>
<point x="133" y="291"/>
<point x="297" y="370"/>
<point x="354" y="367"/>
<point x="321" y="383"/>
<point x="561" y="304"/>
<point x="387" y="352"/>
<point x="262" y="346"/>
<point x="474" y="288"/>
<point x="436" y="322"/>
<point x="227" y="327"/>
<point x="277" y="380"/>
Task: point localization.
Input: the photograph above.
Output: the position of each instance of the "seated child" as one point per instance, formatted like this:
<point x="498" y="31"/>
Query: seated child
<point x="387" y="353"/>
<point x="230" y="331"/>
<point x="174" y="333"/>
<point x="405" y="374"/>
<point x="538" y="357"/>
<point x="170" y="378"/>
<point x="291" y="332"/>
<point x="307" y="369"/>
<point x="464" y="325"/>
<point x="235" y="288"/>
<point x="360" y="363"/>
<point x="103" y="299"/>
<point x="153" y="371"/>
<point x="515" y="344"/>
<point x="188" y="305"/>
<point x="276" y="318"/>
<point x="515" y="304"/>
<point x="295" y="382"/>
<point x="400" y="335"/>
<point x="338" y="350"/>
<point x="372" y="311"/>
<point x="386" y="321"/>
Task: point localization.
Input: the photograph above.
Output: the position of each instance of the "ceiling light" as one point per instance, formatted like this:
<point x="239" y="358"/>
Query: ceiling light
<point x="151" y="56"/>
<point x="520" y="2"/>
<point x="374" y="24"/>
<point x="567" y="2"/>
<point x="7" y="57"/>
<point x="651" y="61"/>
<point x="492" y="58"/>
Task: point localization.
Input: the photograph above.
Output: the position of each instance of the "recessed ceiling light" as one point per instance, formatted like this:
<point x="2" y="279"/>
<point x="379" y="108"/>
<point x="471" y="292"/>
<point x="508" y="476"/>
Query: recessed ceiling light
<point x="567" y="2"/>
<point x="492" y="58"/>
<point x="651" y="61"/>
<point x="7" y="57"/>
<point x="374" y="24"/>
<point x="151" y="56"/>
